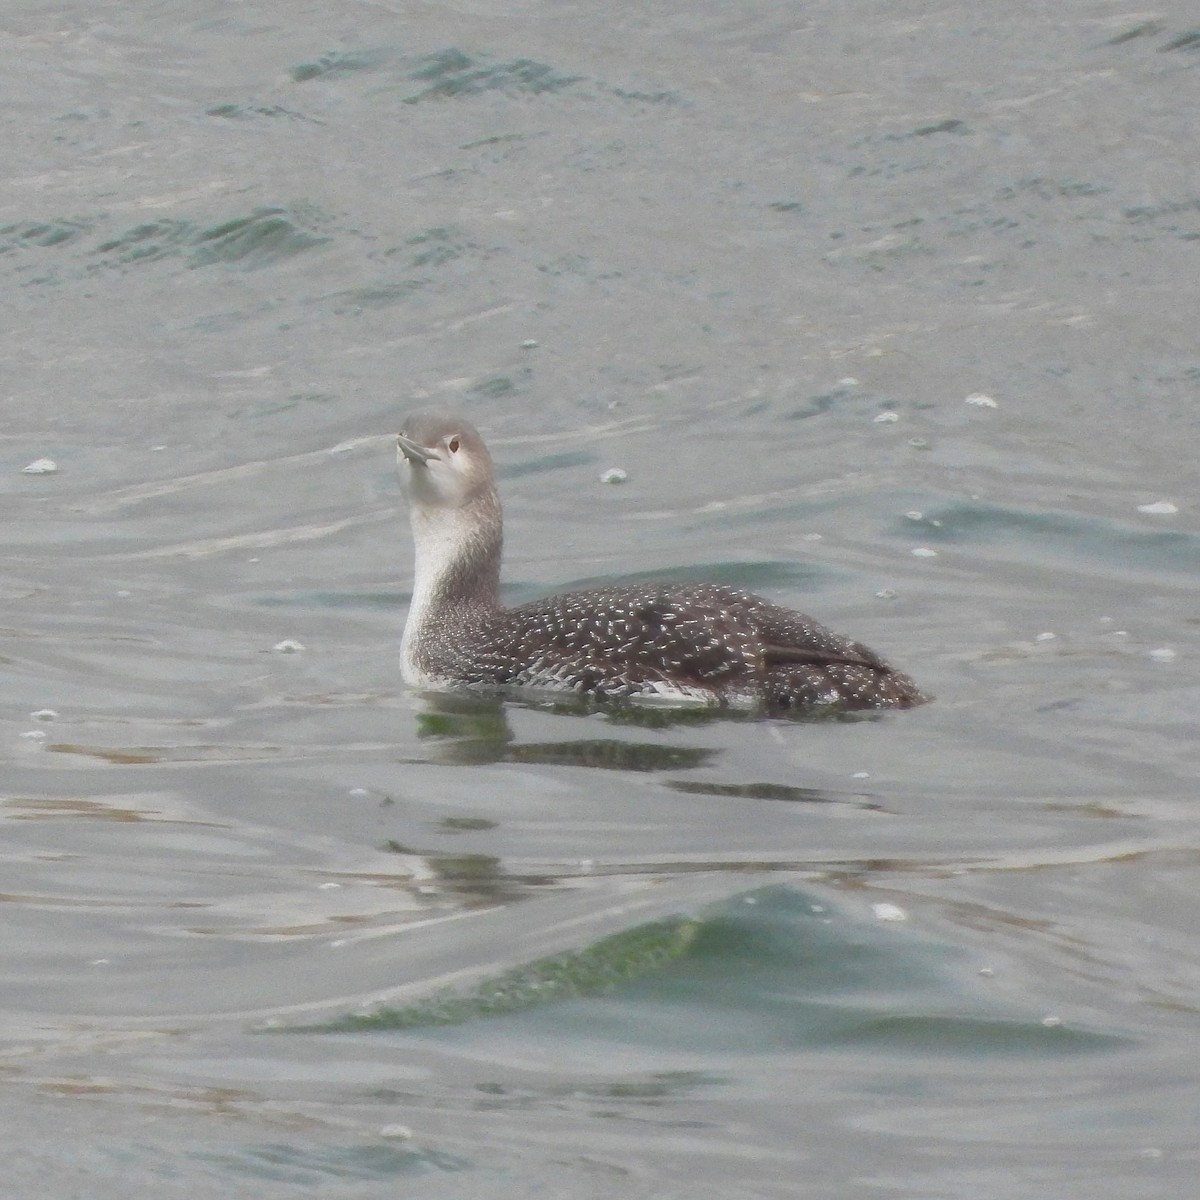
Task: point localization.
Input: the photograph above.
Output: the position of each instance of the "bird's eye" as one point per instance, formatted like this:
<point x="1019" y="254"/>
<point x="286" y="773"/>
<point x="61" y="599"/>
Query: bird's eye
<point x="452" y="445"/>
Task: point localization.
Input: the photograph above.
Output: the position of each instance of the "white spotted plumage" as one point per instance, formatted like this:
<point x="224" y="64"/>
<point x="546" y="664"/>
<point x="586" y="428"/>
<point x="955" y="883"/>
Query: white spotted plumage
<point x="682" y="642"/>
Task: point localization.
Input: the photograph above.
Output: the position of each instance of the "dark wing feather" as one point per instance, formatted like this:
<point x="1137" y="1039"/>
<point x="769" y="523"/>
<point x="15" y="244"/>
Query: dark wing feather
<point x="621" y="640"/>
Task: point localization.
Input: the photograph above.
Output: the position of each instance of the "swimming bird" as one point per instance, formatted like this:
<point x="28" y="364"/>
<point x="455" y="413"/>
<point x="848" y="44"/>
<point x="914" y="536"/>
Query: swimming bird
<point x="673" y="641"/>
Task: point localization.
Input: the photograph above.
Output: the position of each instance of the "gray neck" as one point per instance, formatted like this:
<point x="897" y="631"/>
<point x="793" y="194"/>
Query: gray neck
<point x="456" y="580"/>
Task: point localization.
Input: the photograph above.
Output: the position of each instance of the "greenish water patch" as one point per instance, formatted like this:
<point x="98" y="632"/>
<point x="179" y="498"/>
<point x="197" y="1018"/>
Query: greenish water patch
<point x="815" y="406"/>
<point x="1178" y="217"/>
<point x="595" y="969"/>
<point x="273" y="408"/>
<point x="250" y="112"/>
<point x="261" y="239"/>
<point x="577" y="266"/>
<point x="384" y="295"/>
<point x="500" y="139"/>
<point x="314" y="1165"/>
<point x="497" y="386"/>
<point x="451" y="74"/>
<point x="951" y="125"/>
<point x="1044" y="188"/>
<point x="337" y="63"/>
<point x="417" y="261"/>
<point x="640" y="97"/>
<point x="435" y="246"/>
<point x="40" y="235"/>
<point x="649" y="1091"/>
<point x="1143" y="29"/>
<point x="146" y="243"/>
<point x="1063" y="535"/>
<point x="548" y="462"/>
<point x="1184" y="41"/>
<point x="766" y="972"/>
<point x="779" y="969"/>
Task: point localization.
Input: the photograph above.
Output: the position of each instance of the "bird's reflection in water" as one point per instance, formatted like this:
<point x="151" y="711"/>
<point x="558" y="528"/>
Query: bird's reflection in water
<point x="475" y="730"/>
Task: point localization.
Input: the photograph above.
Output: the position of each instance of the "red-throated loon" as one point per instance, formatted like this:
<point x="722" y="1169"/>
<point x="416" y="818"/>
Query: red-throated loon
<point x="681" y="641"/>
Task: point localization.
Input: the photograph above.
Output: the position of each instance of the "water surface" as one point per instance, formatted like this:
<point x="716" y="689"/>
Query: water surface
<point x="887" y="315"/>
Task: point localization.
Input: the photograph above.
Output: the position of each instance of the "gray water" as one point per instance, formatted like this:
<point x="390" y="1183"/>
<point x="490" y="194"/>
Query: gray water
<point x="273" y="925"/>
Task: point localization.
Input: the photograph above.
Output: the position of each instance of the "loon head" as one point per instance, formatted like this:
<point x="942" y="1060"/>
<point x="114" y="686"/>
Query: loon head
<point x="443" y="463"/>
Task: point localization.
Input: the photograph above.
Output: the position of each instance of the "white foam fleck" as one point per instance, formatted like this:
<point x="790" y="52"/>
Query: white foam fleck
<point x="889" y="912"/>
<point x="979" y="400"/>
<point x="1160" y="508"/>
<point x="614" y="475"/>
<point x="40" y="466"/>
<point x="288" y="646"/>
<point x="887" y="418"/>
<point x="923" y="552"/>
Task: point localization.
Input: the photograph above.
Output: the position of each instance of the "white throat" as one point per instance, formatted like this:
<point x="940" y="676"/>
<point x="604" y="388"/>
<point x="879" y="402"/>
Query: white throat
<point x="456" y="575"/>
